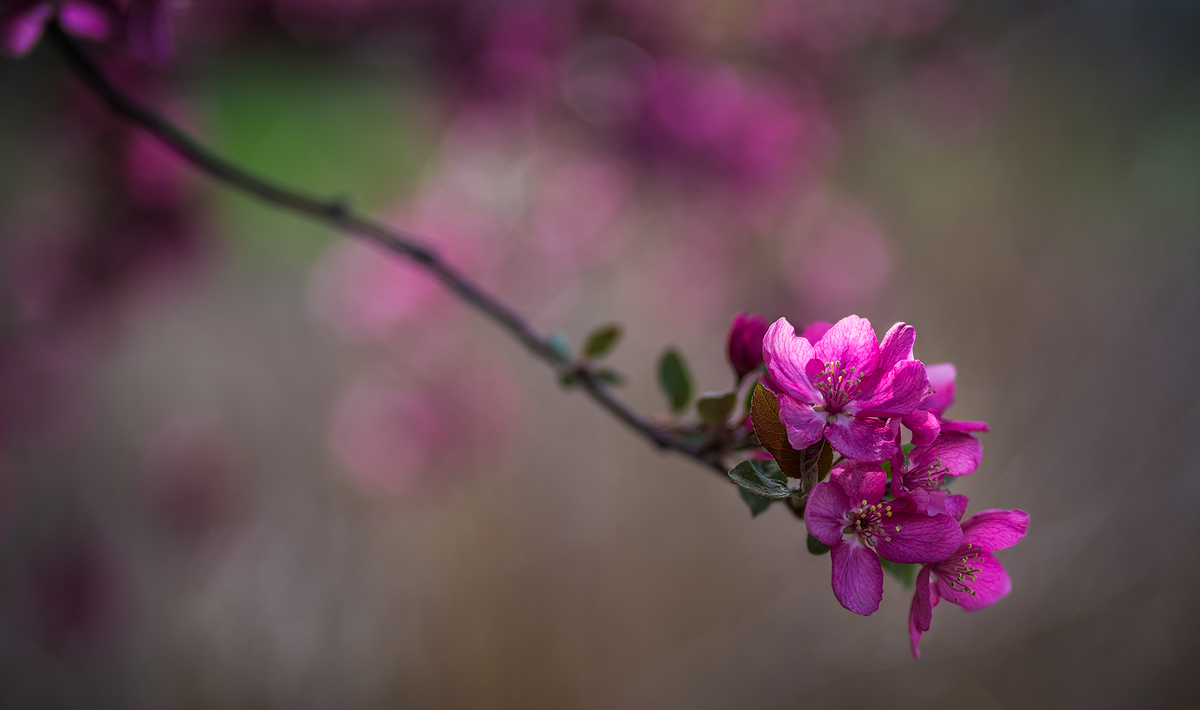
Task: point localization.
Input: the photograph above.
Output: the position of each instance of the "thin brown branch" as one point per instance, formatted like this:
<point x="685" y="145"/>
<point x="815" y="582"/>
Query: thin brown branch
<point x="343" y="218"/>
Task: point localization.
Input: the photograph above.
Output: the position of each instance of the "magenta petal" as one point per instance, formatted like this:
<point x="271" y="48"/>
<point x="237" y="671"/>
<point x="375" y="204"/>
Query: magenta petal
<point x="786" y="356"/>
<point x="941" y="379"/>
<point x="954" y="453"/>
<point x="805" y="426"/>
<point x="825" y="513"/>
<point x="857" y="577"/>
<point x="898" y="392"/>
<point x="84" y="19"/>
<point x="920" y="614"/>
<point x="852" y="343"/>
<point x="897" y="345"/>
<point x="990" y="583"/>
<point x="21" y="33"/>
<point x="861" y="438"/>
<point x="995" y="529"/>
<point x="816" y="330"/>
<point x="861" y="480"/>
<point x="919" y="538"/>
<point x="924" y="426"/>
<point x="149" y="31"/>
<point x="948" y="425"/>
<point x="956" y="505"/>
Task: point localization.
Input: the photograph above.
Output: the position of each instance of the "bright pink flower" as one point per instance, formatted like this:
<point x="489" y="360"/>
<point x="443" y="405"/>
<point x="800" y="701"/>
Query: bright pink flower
<point x="847" y="513"/>
<point x="953" y="453"/>
<point x="941" y="379"/>
<point x="972" y="577"/>
<point x="744" y="345"/>
<point x="843" y="386"/>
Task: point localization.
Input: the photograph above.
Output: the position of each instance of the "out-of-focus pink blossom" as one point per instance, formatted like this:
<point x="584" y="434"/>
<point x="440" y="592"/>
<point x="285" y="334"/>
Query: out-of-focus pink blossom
<point x="744" y="346"/>
<point x="961" y="90"/>
<point x="148" y="30"/>
<point x="972" y="577"/>
<point x="190" y="475"/>
<point x="848" y="513"/>
<point x="393" y="436"/>
<point x="843" y="386"/>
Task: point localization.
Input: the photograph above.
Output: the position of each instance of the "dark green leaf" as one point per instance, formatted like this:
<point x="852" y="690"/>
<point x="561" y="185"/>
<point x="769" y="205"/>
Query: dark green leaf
<point x="903" y="573"/>
<point x="756" y="502"/>
<point x="561" y="346"/>
<point x="762" y="478"/>
<point x="601" y="341"/>
<point x="674" y="380"/>
<point x="816" y="547"/>
<point x="609" y="377"/>
<point x="566" y="380"/>
<point x="715" y="408"/>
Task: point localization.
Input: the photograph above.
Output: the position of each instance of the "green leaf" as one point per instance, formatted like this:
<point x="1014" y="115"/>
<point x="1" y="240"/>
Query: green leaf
<point x="566" y="380"/>
<point x="674" y="380"/>
<point x="609" y="377"/>
<point x="716" y="407"/>
<point x="816" y="547"/>
<point x="602" y="341"/>
<point x="761" y="478"/>
<point x="806" y="464"/>
<point x="756" y="502"/>
<point x="905" y="574"/>
<point x="560" y="345"/>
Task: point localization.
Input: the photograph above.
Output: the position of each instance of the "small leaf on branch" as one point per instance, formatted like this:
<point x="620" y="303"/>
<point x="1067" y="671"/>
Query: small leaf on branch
<point x="716" y="407"/>
<point x="560" y="346"/>
<point x="764" y="413"/>
<point x="817" y="547"/>
<point x="602" y="341"/>
<point x="756" y="502"/>
<point x="566" y="380"/>
<point x="674" y="380"/>
<point x="824" y="461"/>
<point x="905" y="574"/>
<point x="761" y="478"/>
<point x="609" y="377"/>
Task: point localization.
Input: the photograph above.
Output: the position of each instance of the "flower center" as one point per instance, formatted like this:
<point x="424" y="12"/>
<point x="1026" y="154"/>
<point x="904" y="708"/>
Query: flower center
<point x="838" y="384"/>
<point x="928" y="477"/>
<point x="957" y="573"/>
<point x="870" y="523"/>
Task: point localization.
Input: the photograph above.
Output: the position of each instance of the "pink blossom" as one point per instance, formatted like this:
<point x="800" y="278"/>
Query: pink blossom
<point x="847" y="513"/>
<point x="920" y="478"/>
<point x="744" y="345"/>
<point x="843" y="386"/>
<point x="941" y="379"/>
<point x="971" y="577"/>
<point x="22" y="24"/>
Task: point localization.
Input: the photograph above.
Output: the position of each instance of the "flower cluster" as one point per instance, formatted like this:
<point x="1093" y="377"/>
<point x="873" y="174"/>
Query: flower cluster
<point x="882" y="503"/>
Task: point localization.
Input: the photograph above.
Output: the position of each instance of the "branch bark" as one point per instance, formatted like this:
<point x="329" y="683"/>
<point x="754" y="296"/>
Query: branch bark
<point x="341" y="217"/>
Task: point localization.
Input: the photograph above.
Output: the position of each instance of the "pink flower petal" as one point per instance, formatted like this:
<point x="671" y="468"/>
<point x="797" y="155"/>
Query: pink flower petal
<point x="149" y="31"/>
<point x="897" y="345"/>
<point x="948" y="425"/>
<point x="941" y="379"/>
<point x="850" y="342"/>
<point x="825" y="513"/>
<point x="924" y="426"/>
<point x="955" y="506"/>
<point x="899" y="391"/>
<point x="805" y="426"/>
<point x="786" y="356"/>
<point x="816" y="330"/>
<point x="953" y="453"/>
<point x="861" y="438"/>
<point x="857" y="577"/>
<point x="20" y="33"/>
<point x="861" y="480"/>
<point x="919" y="538"/>
<point x="990" y="583"/>
<point x="995" y="529"/>
<point x="920" y="614"/>
<point x="84" y="19"/>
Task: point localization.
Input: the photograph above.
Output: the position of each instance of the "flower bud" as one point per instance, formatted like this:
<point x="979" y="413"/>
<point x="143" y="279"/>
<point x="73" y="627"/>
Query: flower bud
<point x="745" y="342"/>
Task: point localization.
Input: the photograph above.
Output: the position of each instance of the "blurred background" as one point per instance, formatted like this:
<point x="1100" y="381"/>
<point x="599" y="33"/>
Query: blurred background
<point x="246" y="462"/>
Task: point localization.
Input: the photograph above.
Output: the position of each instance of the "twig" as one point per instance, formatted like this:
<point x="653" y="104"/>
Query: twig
<point x="345" y="219"/>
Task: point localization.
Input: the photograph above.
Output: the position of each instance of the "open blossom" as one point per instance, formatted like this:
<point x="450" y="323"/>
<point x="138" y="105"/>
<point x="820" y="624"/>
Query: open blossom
<point x="843" y="386"/>
<point x="744" y="345"/>
<point x="971" y="577"/>
<point x="920" y="477"/>
<point x="848" y="513"/>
